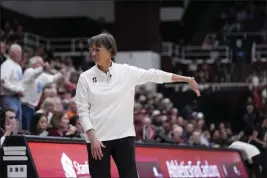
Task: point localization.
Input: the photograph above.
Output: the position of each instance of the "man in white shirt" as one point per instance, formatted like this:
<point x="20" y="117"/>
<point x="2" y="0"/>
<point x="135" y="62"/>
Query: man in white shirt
<point x="11" y="78"/>
<point x="34" y="80"/>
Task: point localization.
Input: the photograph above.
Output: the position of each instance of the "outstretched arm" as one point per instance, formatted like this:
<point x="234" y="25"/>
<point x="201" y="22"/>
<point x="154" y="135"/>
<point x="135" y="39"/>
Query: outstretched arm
<point x="141" y="76"/>
<point x="31" y="74"/>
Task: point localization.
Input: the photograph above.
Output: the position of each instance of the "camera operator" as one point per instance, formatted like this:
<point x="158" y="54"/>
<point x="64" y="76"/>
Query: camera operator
<point x="251" y="155"/>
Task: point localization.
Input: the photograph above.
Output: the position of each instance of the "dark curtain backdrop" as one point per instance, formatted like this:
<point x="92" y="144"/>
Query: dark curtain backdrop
<point x="224" y="105"/>
<point x="137" y="25"/>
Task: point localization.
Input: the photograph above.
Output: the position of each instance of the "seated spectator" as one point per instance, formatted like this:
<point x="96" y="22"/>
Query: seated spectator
<point x="262" y="110"/>
<point x="167" y="128"/>
<point x="9" y="124"/>
<point x="47" y="108"/>
<point x="51" y="91"/>
<point x="258" y="136"/>
<point x="161" y="137"/>
<point x="75" y="122"/>
<point x="200" y="123"/>
<point x="189" y="129"/>
<point x="205" y="137"/>
<point x="215" y="139"/>
<point x="177" y="134"/>
<point x="58" y="104"/>
<point x="39" y="124"/>
<point x="195" y="139"/>
<point x="250" y="118"/>
<point x="156" y="118"/>
<point x="225" y="138"/>
<point x="61" y="126"/>
<point x="72" y="109"/>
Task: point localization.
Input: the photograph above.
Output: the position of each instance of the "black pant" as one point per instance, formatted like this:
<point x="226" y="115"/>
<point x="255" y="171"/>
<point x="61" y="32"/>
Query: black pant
<point x="123" y="153"/>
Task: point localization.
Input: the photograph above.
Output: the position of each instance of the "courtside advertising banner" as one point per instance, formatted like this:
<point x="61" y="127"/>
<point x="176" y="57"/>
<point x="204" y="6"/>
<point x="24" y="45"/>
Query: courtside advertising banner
<point x="71" y="161"/>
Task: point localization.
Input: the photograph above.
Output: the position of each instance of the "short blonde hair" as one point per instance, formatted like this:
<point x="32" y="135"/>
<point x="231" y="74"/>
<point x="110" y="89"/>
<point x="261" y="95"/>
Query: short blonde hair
<point x="48" y="101"/>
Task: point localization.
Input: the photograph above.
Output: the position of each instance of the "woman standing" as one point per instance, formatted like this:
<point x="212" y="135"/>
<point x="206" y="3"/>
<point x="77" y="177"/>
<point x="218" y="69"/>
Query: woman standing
<point x="105" y="102"/>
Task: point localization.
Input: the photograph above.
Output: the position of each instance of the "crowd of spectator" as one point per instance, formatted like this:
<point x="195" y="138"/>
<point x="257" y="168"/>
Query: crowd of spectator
<point x="44" y="88"/>
<point x="12" y="32"/>
<point x="219" y="72"/>
<point x="54" y="97"/>
<point x="164" y="123"/>
<point x="244" y="17"/>
<point x="255" y="118"/>
<point x="243" y="25"/>
<point x="239" y="17"/>
<point x="36" y="87"/>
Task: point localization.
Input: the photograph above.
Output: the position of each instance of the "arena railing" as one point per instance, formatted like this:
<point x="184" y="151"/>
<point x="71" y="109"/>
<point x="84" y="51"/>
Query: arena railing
<point x="212" y="86"/>
<point x="242" y="34"/>
<point x="259" y="50"/>
<point x="245" y="34"/>
<point x="77" y="47"/>
<point x="70" y="46"/>
<point x="60" y="46"/>
<point x="185" y="55"/>
<point x="170" y="49"/>
<point x="207" y="54"/>
<point x="32" y="41"/>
